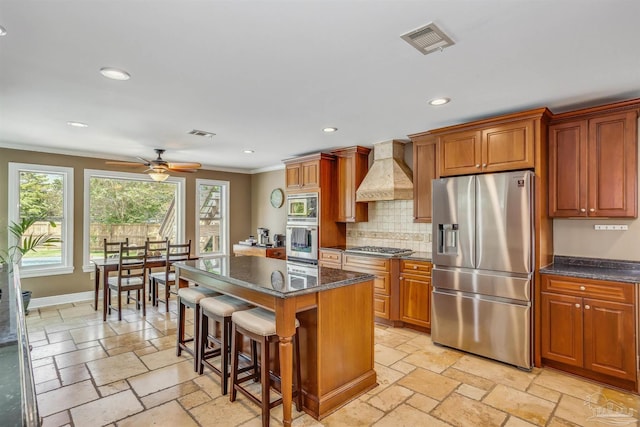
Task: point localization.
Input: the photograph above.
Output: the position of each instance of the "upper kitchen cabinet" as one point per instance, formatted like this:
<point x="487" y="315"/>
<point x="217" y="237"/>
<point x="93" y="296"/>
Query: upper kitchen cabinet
<point x="593" y="166"/>
<point x="352" y="166"/>
<point x="497" y="144"/>
<point x="424" y="170"/>
<point x="304" y="173"/>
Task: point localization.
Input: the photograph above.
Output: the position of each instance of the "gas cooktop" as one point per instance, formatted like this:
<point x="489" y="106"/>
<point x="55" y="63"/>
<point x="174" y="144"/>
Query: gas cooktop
<point x="379" y="250"/>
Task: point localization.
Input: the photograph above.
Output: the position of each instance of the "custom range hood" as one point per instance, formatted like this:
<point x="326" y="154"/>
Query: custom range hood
<point x="389" y="178"/>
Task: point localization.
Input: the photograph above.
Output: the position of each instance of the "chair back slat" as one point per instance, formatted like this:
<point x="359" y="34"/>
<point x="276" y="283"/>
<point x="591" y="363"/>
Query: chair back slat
<point x="156" y="248"/>
<point x="112" y="249"/>
<point x="132" y="259"/>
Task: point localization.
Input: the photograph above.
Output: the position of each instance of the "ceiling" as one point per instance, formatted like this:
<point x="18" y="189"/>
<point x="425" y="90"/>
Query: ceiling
<point x="269" y="75"/>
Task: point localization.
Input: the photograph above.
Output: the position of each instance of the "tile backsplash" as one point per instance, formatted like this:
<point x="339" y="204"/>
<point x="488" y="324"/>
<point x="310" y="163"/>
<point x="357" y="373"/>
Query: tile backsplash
<point x="391" y="224"/>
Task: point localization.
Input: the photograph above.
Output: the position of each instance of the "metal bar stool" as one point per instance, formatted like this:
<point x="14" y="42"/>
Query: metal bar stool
<point x="190" y="297"/>
<point x="219" y="309"/>
<point x="259" y="325"/>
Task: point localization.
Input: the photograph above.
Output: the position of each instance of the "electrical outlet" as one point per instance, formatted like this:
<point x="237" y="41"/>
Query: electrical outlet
<point x="611" y="227"/>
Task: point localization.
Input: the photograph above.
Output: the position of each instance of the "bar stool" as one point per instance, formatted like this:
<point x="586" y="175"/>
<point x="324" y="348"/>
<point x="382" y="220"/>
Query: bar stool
<point x="219" y="309"/>
<point x="190" y="297"/>
<point x="259" y="325"/>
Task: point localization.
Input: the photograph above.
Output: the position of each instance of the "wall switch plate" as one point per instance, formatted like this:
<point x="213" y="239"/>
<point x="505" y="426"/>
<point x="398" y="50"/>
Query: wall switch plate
<point x="609" y="227"/>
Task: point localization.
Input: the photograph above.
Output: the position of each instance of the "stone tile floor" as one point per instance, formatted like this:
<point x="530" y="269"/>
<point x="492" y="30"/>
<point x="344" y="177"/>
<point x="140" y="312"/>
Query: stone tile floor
<point x="93" y="373"/>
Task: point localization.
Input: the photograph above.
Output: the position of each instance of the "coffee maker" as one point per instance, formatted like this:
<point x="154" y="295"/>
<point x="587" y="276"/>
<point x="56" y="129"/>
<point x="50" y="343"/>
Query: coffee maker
<point x="263" y="236"/>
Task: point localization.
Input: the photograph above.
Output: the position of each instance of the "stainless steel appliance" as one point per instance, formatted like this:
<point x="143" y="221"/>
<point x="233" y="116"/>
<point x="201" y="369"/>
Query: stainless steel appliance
<point x="483" y="265"/>
<point x="379" y="250"/>
<point x="302" y="227"/>
<point x="263" y="236"/>
<point x="278" y="240"/>
<point x="302" y="243"/>
<point x="302" y="208"/>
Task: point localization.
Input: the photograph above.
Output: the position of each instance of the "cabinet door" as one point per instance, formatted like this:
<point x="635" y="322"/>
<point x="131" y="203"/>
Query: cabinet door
<point x="460" y="153"/>
<point x="612" y="166"/>
<point x="609" y="344"/>
<point x="310" y="174"/>
<point x="346" y="189"/>
<point x="293" y="176"/>
<point x="562" y="334"/>
<point x="568" y="169"/>
<point x="424" y="170"/>
<point x="415" y="304"/>
<point x="508" y="147"/>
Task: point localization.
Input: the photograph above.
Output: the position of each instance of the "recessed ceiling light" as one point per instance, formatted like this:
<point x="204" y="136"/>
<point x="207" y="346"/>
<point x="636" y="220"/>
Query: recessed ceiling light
<point x="114" y="73"/>
<point x="439" y="101"/>
<point x="329" y="130"/>
<point x="248" y="151"/>
<point x="78" y="124"/>
<point x="2" y="31"/>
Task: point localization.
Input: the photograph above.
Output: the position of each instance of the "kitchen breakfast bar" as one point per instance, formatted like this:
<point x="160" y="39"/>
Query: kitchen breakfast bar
<point x="335" y="311"/>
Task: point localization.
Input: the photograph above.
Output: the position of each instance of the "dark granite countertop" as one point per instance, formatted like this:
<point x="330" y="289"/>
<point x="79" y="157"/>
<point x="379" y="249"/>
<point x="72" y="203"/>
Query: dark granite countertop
<point x="594" y="268"/>
<point x="272" y="276"/>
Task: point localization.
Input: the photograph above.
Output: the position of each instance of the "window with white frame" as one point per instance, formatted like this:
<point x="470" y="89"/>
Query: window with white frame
<point x="212" y="217"/>
<point x="42" y="195"/>
<point x="119" y="206"/>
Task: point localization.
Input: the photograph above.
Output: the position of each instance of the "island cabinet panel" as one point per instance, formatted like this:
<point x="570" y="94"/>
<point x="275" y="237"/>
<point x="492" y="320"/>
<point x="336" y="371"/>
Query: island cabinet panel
<point x="424" y="171"/>
<point x="415" y="293"/>
<point x="593" y="165"/>
<point x="353" y="164"/>
<point x="588" y="328"/>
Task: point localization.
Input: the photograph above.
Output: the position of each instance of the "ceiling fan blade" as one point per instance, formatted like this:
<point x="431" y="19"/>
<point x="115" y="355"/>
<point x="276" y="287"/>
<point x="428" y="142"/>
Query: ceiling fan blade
<point x="182" y="170"/>
<point x="144" y="161"/>
<point x="184" y="165"/>
<point x="124" y="163"/>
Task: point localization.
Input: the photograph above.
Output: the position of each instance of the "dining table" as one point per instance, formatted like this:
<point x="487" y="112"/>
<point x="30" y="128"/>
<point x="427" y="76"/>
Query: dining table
<point x="335" y="311"/>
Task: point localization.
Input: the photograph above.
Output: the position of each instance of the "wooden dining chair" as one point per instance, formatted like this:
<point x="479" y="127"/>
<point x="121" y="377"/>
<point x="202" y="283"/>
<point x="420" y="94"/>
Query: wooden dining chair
<point x="155" y="249"/>
<point x="112" y="249"/>
<point x="132" y="275"/>
<point x="167" y="278"/>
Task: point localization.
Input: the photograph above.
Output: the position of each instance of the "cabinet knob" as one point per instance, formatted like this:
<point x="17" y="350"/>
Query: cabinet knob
<point x="484" y="165"/>
<point x="577" y="305"/>
<point x="592" y="210"/>
<point x="415" y="267"/>
<point x="587" y="307"/>
<point x="478" y="165"/>
<point x="583" y="210"/>
<point x="583" y="288"/>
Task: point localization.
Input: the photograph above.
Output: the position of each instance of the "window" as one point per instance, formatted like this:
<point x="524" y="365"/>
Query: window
<point x="122" y="205"/>
<point x="46" y="193"/>
<point x="212" y="213"/>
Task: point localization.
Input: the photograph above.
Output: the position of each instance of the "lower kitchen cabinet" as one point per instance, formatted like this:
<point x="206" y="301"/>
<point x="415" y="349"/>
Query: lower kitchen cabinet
<point x="384" y="287"/>
<point x="588" y="328"/>
<point x="330" y="258"/>
<point x="415" y="293"/>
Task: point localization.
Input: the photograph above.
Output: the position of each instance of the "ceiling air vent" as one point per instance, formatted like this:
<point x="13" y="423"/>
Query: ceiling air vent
<point x="428" y="39"/>
<point x="197" y="132"/>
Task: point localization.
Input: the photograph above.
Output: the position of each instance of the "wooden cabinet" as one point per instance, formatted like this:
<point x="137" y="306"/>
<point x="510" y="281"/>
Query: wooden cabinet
<point x="385" y="283"/>
<point x="492" y="148"/>
<point x="330" y="258"/>
<point x="303" y="175"/>
<point x="424" y="170"/>
<point x="415" y="292"/>
<point x="593" y="167"/>
<point x="352" y="166"/>
<point x="588" y="328"/>
<point x="246" y="250"/>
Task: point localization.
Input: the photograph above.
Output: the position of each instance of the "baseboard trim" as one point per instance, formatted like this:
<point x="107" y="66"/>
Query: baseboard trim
<point x="61" y="299"/>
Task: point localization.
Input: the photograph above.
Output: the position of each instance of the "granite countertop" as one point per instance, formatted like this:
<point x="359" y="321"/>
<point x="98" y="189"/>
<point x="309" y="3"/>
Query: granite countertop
<point x="272" y="276"/>
<point x="594" y="268"/>
<point x="418" y="256"/>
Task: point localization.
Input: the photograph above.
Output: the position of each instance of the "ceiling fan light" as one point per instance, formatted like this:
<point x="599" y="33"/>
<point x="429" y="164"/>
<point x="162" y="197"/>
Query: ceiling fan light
<point x="158" y="176"/>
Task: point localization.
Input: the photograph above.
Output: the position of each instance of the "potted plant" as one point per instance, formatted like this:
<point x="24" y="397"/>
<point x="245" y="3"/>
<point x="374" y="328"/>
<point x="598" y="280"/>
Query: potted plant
<point x="25" y="243"/>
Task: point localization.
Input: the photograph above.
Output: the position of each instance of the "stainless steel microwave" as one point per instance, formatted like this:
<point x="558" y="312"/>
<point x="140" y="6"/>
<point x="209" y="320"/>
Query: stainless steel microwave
<point x="302" y="208"/>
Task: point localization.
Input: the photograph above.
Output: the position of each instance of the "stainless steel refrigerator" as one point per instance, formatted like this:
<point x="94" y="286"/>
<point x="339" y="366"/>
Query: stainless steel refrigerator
<point x="483" y="265"/>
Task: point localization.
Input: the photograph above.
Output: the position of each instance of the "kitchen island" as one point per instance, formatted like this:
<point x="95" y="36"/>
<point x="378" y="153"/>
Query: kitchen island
<point x="335" y="310"/>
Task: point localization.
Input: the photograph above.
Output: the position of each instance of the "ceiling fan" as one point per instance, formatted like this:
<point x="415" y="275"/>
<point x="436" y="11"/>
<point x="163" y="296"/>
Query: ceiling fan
<point x="158" y="168"/>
